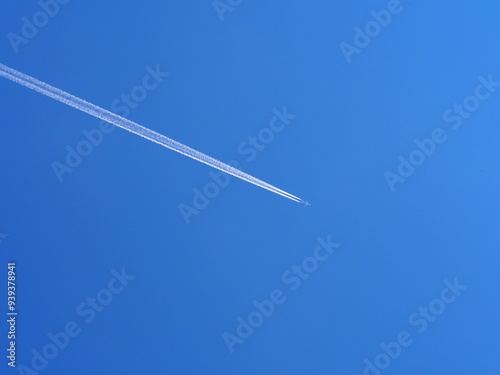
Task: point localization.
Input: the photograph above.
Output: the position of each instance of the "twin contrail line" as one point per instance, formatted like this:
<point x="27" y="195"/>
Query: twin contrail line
<point x="101" y="113"/>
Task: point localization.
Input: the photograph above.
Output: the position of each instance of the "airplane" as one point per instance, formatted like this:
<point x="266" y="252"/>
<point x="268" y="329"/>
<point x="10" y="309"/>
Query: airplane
<point x="306" y="203"/>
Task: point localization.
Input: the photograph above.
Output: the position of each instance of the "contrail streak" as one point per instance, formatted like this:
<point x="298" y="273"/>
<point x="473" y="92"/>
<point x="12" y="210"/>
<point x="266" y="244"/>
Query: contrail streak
<point x="133" y="127"/>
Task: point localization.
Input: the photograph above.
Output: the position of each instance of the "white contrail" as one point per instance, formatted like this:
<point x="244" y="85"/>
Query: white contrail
<point x="133" y="127"/>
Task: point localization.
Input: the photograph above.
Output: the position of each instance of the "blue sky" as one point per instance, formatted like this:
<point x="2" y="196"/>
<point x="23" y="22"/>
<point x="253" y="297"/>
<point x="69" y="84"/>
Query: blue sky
<point x="403" y="253"/>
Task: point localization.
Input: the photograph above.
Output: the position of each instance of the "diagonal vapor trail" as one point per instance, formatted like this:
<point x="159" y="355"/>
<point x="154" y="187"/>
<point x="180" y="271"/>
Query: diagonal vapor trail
<point x="103" y="114"/>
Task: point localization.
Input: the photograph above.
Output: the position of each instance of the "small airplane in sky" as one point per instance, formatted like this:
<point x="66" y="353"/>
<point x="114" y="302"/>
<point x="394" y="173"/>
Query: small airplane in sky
<point x="306" y="203"/>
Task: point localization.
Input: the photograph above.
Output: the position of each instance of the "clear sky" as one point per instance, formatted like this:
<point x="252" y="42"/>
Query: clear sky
<point x="384" y="115"/>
